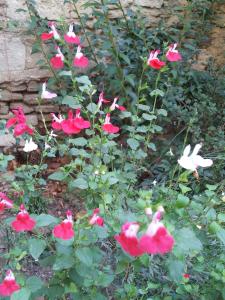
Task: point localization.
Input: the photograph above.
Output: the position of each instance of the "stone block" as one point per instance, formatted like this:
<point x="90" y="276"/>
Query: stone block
<point x="27" y="109"/>
<point x="33" y="86"/>
<point x="9" y="96"/>
<point x="48" y="108"/>
<point x="4" y="108"/>
<point x="150" y="3"/>
<point x="32" y="119"/>
<point x="7" y="140"/>
<point x="30" y="99"/>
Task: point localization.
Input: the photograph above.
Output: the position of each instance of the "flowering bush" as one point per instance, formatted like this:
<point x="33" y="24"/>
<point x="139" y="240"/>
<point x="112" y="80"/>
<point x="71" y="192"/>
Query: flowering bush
<point x="116" y="247"/>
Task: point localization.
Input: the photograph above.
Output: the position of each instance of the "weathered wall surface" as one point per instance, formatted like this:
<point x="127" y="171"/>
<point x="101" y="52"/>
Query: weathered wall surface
<point x="19" y="76"/>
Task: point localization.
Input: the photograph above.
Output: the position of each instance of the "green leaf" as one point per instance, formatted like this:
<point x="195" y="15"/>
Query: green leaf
<point x="152" y="146"/>
<point x="92" y="107"/>
<point x="221" y="235"/>
<point x="78" y="141"/>
<point x="85" y="255"/>
<point x="186" y="242"/>
<point x="45" y="220"/>
<point x="176" y="269"/>
<point x="63" y="262"/>
<point x="148" y="117"/>
<point x="22" y="294"/>
<point x="65" y="73"/>
<point x="157" y="92"/>
<point x="212" y="187"/>
<point x="162" y="112"/>
<point x="182" y="201"/>
<point x="184" y="188"/>
<point x="58" y="176"/>
<point x="71" y="102"/>
<point x="34" y="283"/>
<point x="80" y="183"/>
<point x="134" y="144"/>
<point x="143" y="107"/>
<point x="36" y="247"/>
<point x="84" y="80"/>
<point x="221" y="218"/>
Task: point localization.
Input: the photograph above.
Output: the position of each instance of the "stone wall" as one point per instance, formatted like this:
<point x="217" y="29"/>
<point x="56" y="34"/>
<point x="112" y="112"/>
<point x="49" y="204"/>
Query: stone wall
<point x="20" y="77"/>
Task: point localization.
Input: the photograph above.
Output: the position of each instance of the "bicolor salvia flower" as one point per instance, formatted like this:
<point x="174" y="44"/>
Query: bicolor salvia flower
<point x="95" y="219"/>
<point x="80" y="60"/>
<point x="173" y="54"/>
<point x="108" y="127"/>
<point x="9" y="285"/>
<point x="57" y="61"/>
<point x="70" y="37"/>
<point x="19" y="123"/>
<point x="153" y="60"/>
<point x="23" y="221"/>
<point x="5" y="202"/>
<point x="65" y="229"/>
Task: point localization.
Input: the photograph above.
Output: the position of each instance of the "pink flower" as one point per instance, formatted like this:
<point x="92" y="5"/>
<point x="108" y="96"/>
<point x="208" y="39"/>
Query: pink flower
<point x="54" y="31"/>
<point x="128" y="239"/>
<point x="101" y="100"/>
<point x="153" y="60"/>
<point x="115" y="105"/>
<point x="80" y="60"/>
<point x="69" y="126"/>
<point x="5" y="202"/>
<point x="79" y="122"/>
<point x="56" y="122"/>
<point x="20" y="123"/>
<point x="173" y="54"/>
<point x="71" y="37"/>
<point x="108" y="127"/>
<point x="57" y="61"/>
<point x="46" y="36"/>
<point x="96" y="219"/>
<point x="23" y="221"/>
<point x="9" y="285"/>
<point x="46" y="94"/>
<point x="65" y="230"/>
<point x="157" y="239"/>
<point x="186" y="276"/>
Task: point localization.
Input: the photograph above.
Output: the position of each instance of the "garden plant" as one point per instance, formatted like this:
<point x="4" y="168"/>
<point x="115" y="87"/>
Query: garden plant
<point x="143" y="134"/>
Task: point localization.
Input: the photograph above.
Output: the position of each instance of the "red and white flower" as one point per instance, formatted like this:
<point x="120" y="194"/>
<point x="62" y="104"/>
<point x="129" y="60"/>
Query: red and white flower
<point x="53" y="33"/>
<point x="19" y="120"/>
<point x="96" y="219"/>
<point x="193" y="161"/>
<point x="80" y="60"/>
<point x="79" y="122"/>
<point x="57" y="61"/>
<point x="46" y="94"/>
<point x="108" y="127"/>
<point x="9" y="285"/>
<point x="5" y="202"/>
<point x="23" y="221"/>
<point x="128" y="239"/>
<point x="101" y="100"/>
<point x="65" y="229"/>
<point x="157" y="239"/>
<point x="71" y="37"/>
<point x="153" y="60"/>
<point x="69" y="126"/>
<point x="173" y="54"/>
<point x="57" y="121"/>
<point x="115" y="105"/>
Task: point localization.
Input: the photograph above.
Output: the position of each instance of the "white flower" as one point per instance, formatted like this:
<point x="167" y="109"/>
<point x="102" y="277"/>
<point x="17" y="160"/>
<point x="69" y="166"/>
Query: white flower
<point x="154" y="182"/>
<point x="46" y="94"/>
<point x="193" y="161"/>
<point x="47" y="146"/>
<point x="52" y="134"/>
<point x="30" y="146"/>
